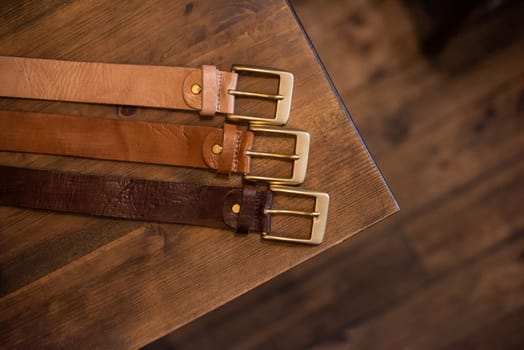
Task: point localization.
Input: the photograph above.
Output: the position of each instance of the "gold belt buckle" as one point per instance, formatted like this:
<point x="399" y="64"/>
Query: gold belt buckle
<point x="282" y="97"/>
<point x="319" y="215"/>
<point x="299" y="158"/>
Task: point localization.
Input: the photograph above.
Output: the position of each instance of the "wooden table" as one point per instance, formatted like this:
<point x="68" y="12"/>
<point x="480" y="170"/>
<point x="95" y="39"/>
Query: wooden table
<point x="70" y="280"/>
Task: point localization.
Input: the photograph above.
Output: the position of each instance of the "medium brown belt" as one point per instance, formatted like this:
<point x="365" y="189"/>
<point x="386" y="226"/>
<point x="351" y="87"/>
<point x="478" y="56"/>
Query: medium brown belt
<point x="226" y="150"/>
<point x="246" y="209"/>
<point x="205" y="89"/>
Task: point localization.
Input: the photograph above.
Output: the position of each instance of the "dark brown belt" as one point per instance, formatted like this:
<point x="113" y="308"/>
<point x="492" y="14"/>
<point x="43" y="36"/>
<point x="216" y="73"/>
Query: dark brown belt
<point x="227" y="149"/>
<point x="245" y="209"/>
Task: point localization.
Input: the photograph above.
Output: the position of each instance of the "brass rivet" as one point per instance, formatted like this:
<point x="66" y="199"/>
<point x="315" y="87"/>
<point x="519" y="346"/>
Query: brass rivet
<point x="195" y="89"/>
<point x="235" y="208"/>
<point x="217" y="149"/>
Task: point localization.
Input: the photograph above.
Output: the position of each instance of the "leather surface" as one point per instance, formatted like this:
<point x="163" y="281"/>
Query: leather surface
<point x="120" y="84"/>
<point x="135" y="141"/>
<point x="136" y="199"/>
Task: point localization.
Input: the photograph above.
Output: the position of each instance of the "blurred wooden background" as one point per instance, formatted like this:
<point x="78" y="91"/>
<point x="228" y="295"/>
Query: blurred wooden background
<point x="448" y="134"/>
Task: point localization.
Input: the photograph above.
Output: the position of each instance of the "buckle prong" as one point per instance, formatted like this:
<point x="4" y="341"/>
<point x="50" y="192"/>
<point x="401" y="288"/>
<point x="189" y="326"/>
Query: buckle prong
<point x="318" y="215"/>
<point x="291" y="212"/>
<point x="272" y="155"/>
<point x="255" y="94"/>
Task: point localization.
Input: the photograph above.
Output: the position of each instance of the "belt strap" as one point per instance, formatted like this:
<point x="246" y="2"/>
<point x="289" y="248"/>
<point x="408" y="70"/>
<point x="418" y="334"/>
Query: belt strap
<point x="245" y="209"/>
<point x="135" y="199"/>
<point x="135" y="141"/>
<point x="202" y="89"/>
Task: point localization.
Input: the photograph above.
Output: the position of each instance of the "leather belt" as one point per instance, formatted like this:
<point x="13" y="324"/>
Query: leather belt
<point x="245" y="209"/>
<point x="205" y="89"/>
<point x="226" y="149"/>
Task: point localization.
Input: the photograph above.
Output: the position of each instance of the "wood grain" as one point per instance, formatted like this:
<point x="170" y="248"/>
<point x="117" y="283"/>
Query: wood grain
<point x="446" y="273"/>
<point x="98" y="283"/>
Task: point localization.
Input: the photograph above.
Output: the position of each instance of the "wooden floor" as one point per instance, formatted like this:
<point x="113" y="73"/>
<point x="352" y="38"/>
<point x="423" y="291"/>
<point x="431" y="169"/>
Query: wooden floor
<point x="448" y="134"/>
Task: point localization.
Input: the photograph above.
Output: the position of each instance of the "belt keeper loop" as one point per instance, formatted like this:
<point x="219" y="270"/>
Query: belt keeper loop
<point x="209" y="90"/>
<point x="229" y="150"/>
<point x="255" y="198"/>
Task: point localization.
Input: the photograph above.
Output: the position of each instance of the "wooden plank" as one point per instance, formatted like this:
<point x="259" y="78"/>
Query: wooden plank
<point x="453" y="153"/>
<point x="440" y="314"/>
<point x="505" y="333"/>
<point x="292" y="310"/>
<point x="480" y="216"/>
<point x="25" y="260"/>
<point x="130" y="283"/>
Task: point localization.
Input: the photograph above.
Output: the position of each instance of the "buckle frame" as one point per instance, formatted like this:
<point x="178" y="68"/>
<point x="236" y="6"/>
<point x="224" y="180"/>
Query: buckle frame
<point x="299" y="158"/>
<point x="283" y="96"/>
<point x="319" y="215"/>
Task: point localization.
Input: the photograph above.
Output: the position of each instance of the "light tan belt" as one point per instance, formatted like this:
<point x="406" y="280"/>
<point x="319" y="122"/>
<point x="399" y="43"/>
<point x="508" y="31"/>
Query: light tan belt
<point x="205" y="89"/>
<point x="226" y="149"/>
